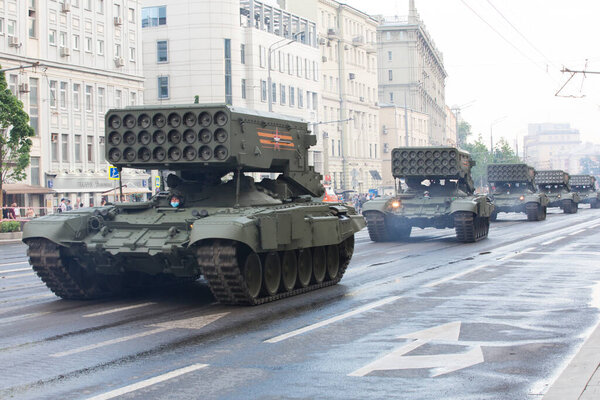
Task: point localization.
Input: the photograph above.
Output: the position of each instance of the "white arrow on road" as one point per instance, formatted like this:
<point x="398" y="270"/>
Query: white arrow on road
<point x="441" y="363"/>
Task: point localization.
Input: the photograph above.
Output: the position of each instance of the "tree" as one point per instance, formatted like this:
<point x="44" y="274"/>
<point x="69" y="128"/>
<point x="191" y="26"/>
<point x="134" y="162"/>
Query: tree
<point x="15" y="134"/>
<point x="504" y="154"/>
<point x="464" y="131"/>
<point x="481" y="155"/>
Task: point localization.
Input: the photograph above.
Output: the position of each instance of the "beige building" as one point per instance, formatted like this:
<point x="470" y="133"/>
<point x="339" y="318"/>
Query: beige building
<point x="396" y="133"/>
<point x="450" y="135"/>
<point x="90" y="60"/>
<point x="550" y="146"/>
<point x="348" y="115"/>
<point x="411" y="70"/>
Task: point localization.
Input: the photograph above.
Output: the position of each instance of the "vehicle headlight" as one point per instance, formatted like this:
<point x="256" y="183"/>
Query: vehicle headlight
<point x="522" y="198"/>
<point x="395" y="203"/>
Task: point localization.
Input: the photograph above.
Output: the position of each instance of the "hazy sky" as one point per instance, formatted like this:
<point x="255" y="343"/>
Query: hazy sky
<point x="516" y="80"/>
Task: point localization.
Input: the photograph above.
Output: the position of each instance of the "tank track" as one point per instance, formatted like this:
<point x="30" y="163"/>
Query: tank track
<point x="50" y="266"/>
<point x="470" y="228"/>
<point x="219" y="263"/>
<point x="534" y="213"/>
<point x="376" y="226"/>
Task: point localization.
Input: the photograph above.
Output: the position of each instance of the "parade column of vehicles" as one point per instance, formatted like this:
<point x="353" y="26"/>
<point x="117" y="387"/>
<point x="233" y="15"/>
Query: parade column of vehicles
<point x="253" y="242"/>
<point x="585" y="186"/>
<point x="555" y="184"/>
<point x="439" y="193"/>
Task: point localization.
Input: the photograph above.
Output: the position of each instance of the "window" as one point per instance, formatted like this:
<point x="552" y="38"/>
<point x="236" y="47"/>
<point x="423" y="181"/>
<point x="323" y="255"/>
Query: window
<point x="292" y="96"/>
<point x="52" y="37"/>
<point x="88" y="44"/>
<point x="90" y="149"/>
<point x="53" y="94"/>
<point x="100" y="47"/>
<point x="13" y="80"/>
<point x="77" y="145"/>
<point x="332" y="147"/>
<point x="390" y="76"/>
<point x="274" y="93"/>
<point x="34" y="102"/>
<point x="131" y="15"/>
<point x="88" y="4"/>
<point x="101" y="146"/>
<point x="118" y="98"/>
<point x="117" y="50"/>
<point x="62" y="36"/>
<point x="132" y="98"/>
<point x="63" y="95"/>
<point x="101" y="99"/>
<point x="300" y="98"/>
<point x="88" y="98"/>
<point x="54" y="148"/>
<point x="261" y="54"/>
<point x="132" y="54"/>
<point x="163" y="87"/>
<point x="389" y="56"/>
<point x="65" y="147"/>
<point x="75" y="42"/>
<point x="154" y="16"/>
<point x="391" y="97"/>
<point x="243" y="88"/>
<point x="35" y="171"/>
<point x="1" y="26"/>
<point x="11" y="27"/>
<point x="31" y="28"/>
<point x="162" y="51"/>
<point x="116" y="10"/>
<point x="243" y="53"/>
<point x="263" y="90"/>
<point x="100" y="6"/>
<point x="76" y="96"/>
<point x="228" y="92"/>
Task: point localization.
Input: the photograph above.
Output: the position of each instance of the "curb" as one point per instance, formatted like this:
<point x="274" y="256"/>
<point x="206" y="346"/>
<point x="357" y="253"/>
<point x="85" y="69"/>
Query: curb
<point x="10" y="241"/>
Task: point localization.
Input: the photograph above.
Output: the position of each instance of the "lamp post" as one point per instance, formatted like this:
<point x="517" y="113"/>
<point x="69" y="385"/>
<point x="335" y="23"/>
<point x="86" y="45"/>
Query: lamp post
<point x="269" y="51"/>
<point x="492" y="135"/>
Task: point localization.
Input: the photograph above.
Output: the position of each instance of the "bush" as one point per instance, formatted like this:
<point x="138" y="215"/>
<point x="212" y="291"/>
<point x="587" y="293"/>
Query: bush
<point x="10" y="226"/>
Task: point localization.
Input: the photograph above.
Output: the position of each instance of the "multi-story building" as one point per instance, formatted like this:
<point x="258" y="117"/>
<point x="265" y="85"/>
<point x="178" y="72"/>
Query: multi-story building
<point x="349" y="119"/>
<point x="89" y="59"/>
<point x="411" y="70"/>
<point x="550" y="146"/>
<point x="450" y="135"/>
<point x="395" y="132"/>
<point x="245" y="53"/>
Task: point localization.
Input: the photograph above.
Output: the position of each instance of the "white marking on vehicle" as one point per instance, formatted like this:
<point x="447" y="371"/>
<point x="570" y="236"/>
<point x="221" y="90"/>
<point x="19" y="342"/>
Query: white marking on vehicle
<point x="148" y="382"/>
<point x="332" y="320"/>
<point x="115" y="310"/>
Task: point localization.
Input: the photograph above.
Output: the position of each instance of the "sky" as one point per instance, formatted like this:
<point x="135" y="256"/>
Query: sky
<point x="504" y="60"/>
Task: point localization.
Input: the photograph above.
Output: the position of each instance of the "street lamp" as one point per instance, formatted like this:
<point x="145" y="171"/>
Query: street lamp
<point x="269" y="51"/>
<point x="491" y="134"/>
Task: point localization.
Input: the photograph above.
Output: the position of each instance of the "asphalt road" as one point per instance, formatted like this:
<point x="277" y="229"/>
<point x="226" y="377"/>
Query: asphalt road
<point x="426" y="319"/>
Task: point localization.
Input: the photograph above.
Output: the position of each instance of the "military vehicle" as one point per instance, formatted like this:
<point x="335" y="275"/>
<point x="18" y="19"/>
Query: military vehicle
<point x="439" y="193"/>
<point x="513" y="190"/>
<point x="585" y="186"/>
<point x="555" y="183"/>
<point x="252" y="242"/>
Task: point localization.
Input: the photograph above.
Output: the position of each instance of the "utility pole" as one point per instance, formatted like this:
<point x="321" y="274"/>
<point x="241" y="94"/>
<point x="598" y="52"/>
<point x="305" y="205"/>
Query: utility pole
<point x="491" y="134"/>
<point x="269" y="82"/>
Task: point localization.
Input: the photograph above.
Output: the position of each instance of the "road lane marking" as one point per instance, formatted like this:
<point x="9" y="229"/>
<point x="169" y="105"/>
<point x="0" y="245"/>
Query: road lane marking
<point x="15" y="270"/>
<point x="576" y="232"/>
<point x="189" y="323"/>
<point x="8" y="320"/>
<point x="332" y="320"/>
<point x="553" y="240"/>
<point x="449" y="278"/>
<point x="148" y="382"/>
<point x="17" y="276"/>
<point x="114" y="310"/>
<point x="14" y="263"/>
<point x="441" y="363"/>
<point x="508" y="257"/>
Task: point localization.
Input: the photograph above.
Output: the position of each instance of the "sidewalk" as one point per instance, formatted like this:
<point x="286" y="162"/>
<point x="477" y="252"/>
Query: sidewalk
<point x="581" y="379"/>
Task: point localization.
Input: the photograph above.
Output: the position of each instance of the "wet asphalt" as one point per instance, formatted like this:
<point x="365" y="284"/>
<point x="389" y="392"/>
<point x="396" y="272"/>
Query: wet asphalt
<point x="428" y="318"/>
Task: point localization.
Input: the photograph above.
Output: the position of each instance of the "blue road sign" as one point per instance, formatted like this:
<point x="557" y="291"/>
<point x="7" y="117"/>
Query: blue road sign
<point x="113" y="173"/>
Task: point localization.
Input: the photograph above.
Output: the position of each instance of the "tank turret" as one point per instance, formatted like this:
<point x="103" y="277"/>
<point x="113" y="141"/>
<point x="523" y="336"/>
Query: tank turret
<point x="215" y="139"/>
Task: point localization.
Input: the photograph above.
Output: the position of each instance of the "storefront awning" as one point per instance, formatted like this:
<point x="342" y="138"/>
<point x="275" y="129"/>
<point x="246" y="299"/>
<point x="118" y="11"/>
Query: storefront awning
<point x="375" y="174"/>
<point x="127" y="190"/>
<point x="22" y="188"/>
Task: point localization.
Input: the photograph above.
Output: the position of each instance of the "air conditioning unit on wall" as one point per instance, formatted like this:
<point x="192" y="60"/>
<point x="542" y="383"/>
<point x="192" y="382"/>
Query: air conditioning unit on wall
<point x="119" y="61"/>
<point x="65" y="52"/>
<point x="66" y="6"/>
<point x="24" y="88"/>
<point x="13" y="41"/>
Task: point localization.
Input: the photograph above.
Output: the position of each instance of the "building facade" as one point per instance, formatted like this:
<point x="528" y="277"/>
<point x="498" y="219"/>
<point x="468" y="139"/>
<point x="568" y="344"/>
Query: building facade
<point x="89" y="55"/>
<point x="550" y="146"/>
<point x="411" y="70"/>
<point x="349" y="117"/>
<point x="220" y="51"/>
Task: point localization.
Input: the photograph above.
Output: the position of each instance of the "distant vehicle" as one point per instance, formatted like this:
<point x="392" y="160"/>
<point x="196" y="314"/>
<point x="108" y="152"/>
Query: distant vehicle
<point x="513" y="190"/>
<point x="440" y="194"/>
<point x="585" y="185"/>
<point x="555" y="183"/>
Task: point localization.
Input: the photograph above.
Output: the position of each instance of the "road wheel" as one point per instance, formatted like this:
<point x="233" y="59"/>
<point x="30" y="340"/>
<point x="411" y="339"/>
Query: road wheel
<point x="289" y="270"/>
<point x="535" y="212"/>
<point x="253" y="274"/>
<point x="271" y="273"/>
<point x="319" y="263"/>
<point x="304" y="267"/>
<point x="333" y="261"/>
<point x="378" y="231"/>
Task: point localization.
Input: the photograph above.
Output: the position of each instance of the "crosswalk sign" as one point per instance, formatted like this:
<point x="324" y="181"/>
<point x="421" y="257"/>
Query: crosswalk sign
<point x="113" y="173"/>
<point x="157" y="182"/>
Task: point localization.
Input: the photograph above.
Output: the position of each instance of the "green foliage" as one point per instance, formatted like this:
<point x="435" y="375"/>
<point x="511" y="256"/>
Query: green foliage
<point x="464" y="131"/>
<point x="196" y="99"/>
<point x="503" y="153"/>
<point x="10" y="226"/>
<point x="15" y="134"/>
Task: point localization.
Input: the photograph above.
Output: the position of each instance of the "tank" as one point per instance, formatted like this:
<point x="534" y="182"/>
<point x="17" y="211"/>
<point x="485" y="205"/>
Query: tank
<point x="555" y="184"/>
<point x="585" y="186"/>
<point x="438" y="192"/>
<point x="513" y="189"/>
<point x="253" y="242"/>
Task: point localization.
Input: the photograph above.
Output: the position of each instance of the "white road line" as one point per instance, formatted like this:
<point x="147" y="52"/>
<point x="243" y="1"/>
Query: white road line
<point x="15" y="270"/>
<point x="553" y="240"/>
<point x="114" y="310"/>
<point x="576" y="232"/>
<point x="332" y="320"/>
<point x="14" y="263"/>
<point x="148" y="382"/>
<point x="108" y="342"/>
<point x="8" y="320"/>
<point x="449" y="278"/>
<point x="527" y="250"/>
<point x="17" y="276"/>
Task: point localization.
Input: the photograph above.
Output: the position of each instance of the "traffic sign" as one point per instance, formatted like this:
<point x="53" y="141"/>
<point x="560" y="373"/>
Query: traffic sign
<point x="157" y="182"/>
<point x="113" y="173"/>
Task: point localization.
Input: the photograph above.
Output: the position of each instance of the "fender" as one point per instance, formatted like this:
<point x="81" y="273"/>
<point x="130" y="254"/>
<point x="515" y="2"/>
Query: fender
<point x="480" y="205"/>
<point x="62" y="228"/>
<point x="377" y="204"/>
<point x="244" y="230"/>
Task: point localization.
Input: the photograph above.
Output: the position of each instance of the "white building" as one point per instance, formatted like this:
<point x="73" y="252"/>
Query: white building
<point x="553" y="146"/>
<point x="349" y="112"/>
<point x="218" y="51"/>
<point x="90" y="60"/>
